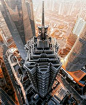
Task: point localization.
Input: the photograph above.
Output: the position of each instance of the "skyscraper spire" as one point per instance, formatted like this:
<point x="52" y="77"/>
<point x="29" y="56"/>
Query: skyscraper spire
<point x="42" y="13"/>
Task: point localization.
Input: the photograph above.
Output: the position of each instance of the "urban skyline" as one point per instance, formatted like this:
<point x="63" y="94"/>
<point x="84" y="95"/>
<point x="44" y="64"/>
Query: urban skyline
<point x="43" y="52"/>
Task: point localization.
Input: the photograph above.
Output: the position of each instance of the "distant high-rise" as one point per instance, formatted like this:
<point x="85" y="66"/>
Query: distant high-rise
<point x="66" y="7"/>
<point x="79" y="26"/>
<point x="76" y="58"/>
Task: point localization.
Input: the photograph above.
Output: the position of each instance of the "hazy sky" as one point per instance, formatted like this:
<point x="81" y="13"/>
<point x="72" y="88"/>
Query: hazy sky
<point x="60" y="0"/>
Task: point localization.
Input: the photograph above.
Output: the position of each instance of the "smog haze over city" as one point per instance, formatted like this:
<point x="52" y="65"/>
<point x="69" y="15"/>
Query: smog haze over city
<point x="61" y="16"/>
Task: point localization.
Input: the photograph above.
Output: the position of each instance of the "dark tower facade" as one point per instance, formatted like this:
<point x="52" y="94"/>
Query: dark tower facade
<point x="42" y="63"/>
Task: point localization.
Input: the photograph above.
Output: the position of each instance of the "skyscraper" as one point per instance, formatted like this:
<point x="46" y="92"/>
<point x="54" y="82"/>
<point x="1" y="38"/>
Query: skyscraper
<point x="42" y="63"/>
<point x="76" y="58"/>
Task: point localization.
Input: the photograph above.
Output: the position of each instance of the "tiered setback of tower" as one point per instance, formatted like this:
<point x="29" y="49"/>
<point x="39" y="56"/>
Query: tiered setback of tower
<point x="42" y="64"/>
